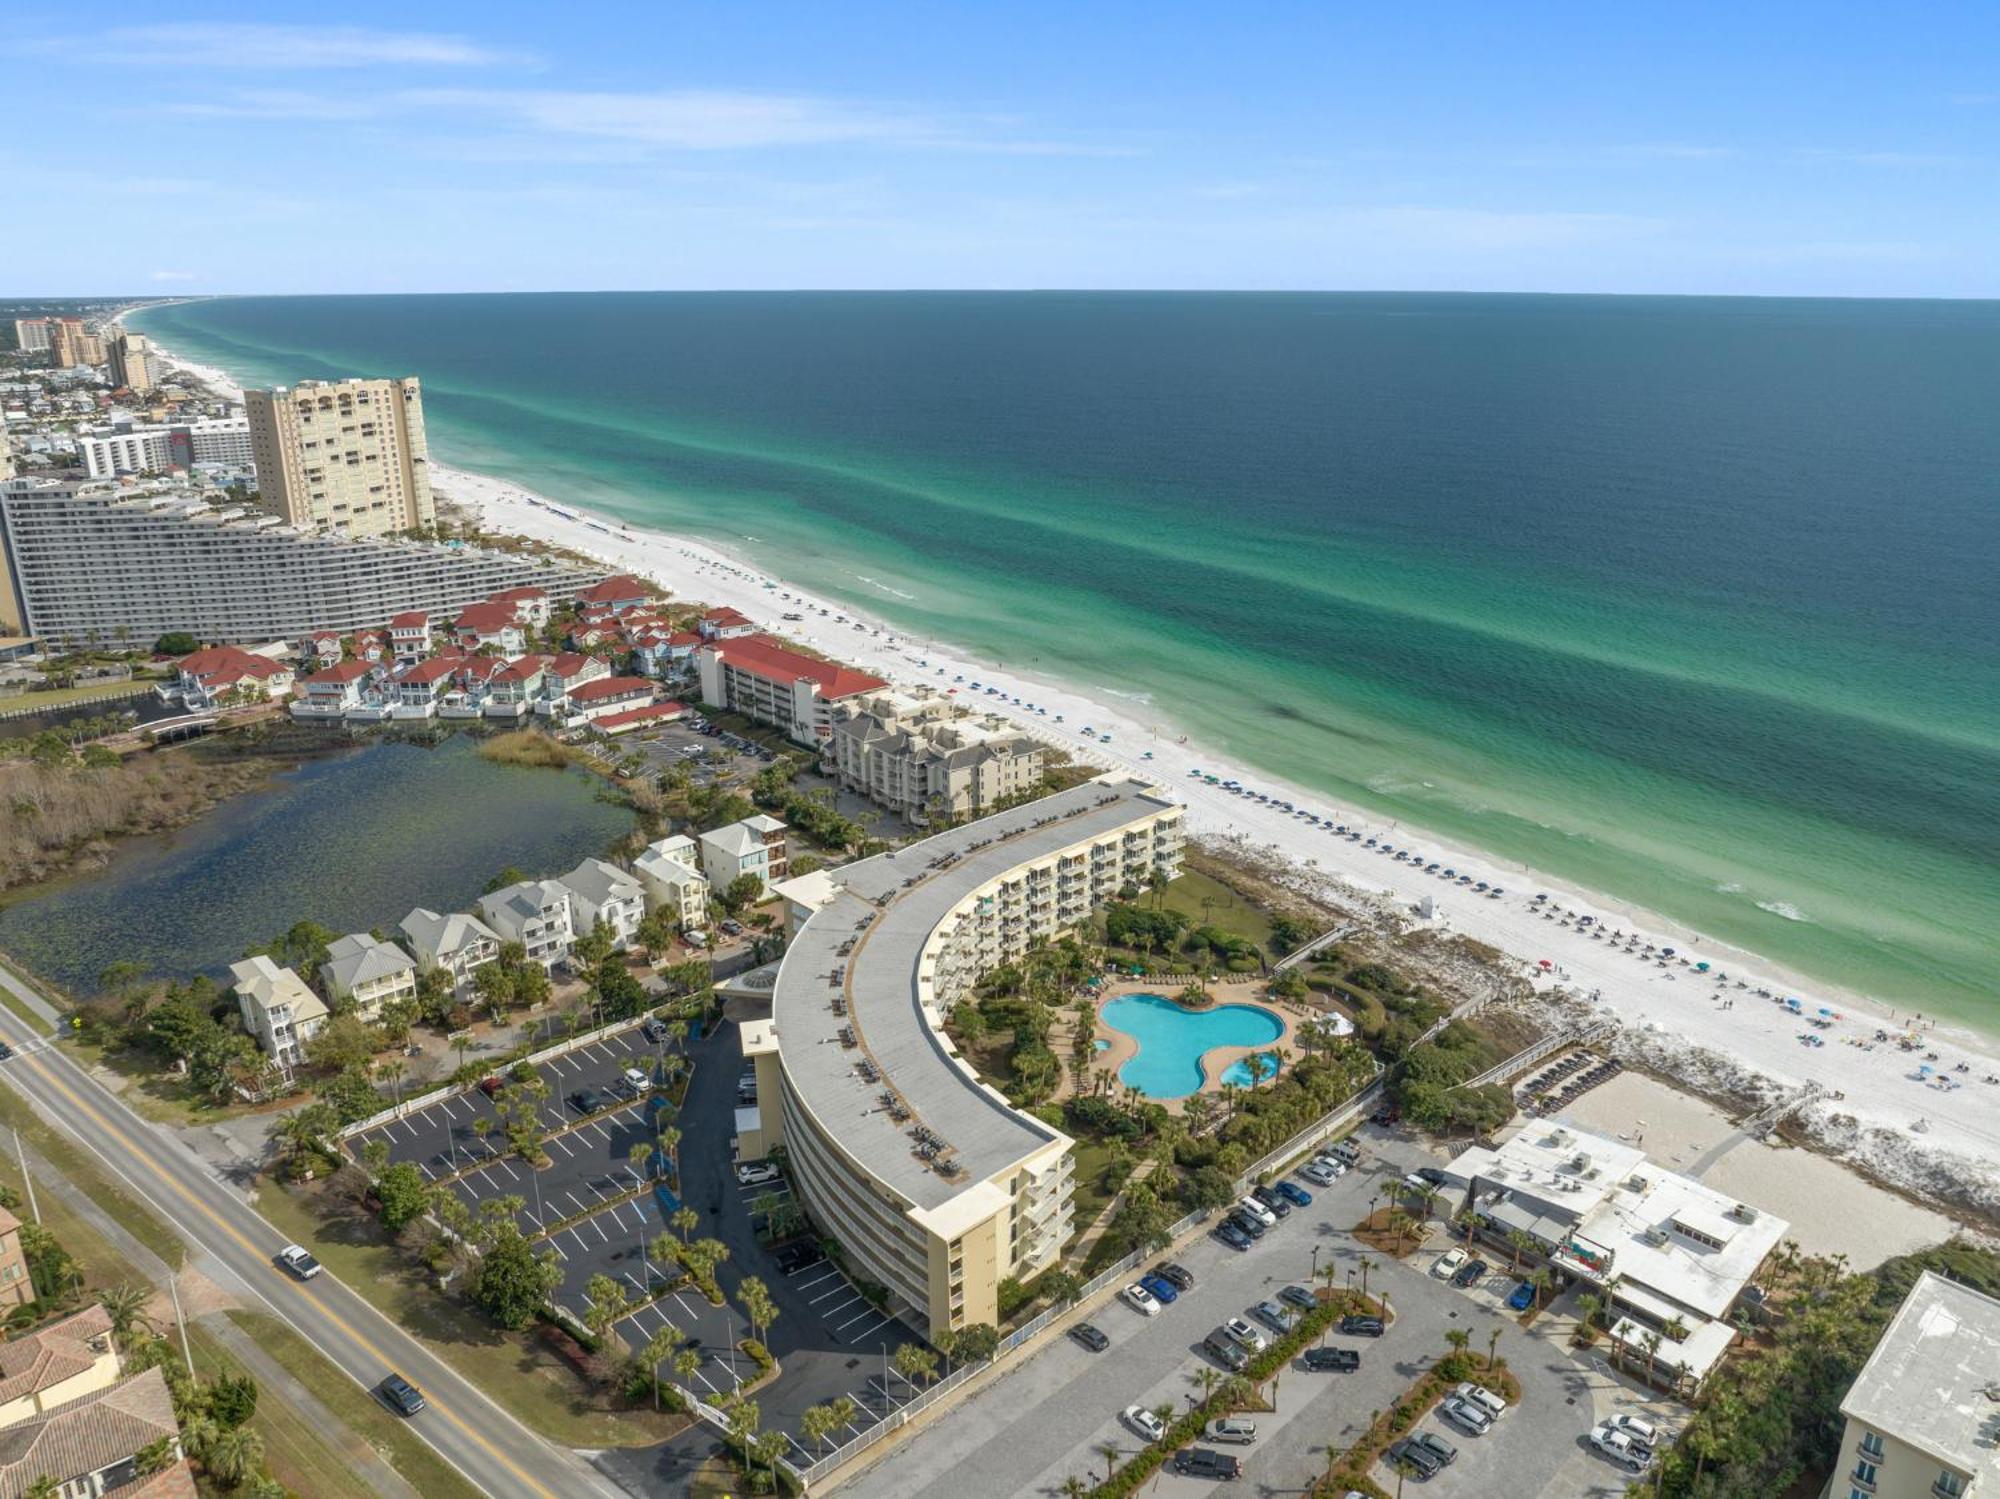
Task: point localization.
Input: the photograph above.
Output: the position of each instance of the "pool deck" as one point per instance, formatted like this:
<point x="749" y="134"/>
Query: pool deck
<point x="1215" y="1061"/>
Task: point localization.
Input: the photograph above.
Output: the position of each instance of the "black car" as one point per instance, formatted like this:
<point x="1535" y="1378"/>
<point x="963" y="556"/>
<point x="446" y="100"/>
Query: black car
<point x="796" y="1257"/>
<point x="1333" y="1360"/>
<point x="586" y="1100"/>
<point x="1471" y="1273"/>
<point x="1422" y="1459"/>
<point x="1247" y="1224"/>
<point x="1435" y="1445"/>
<point x="1432" y="1175"/>
<point x="1231" y="1235"/>
<point x="400" y="1395"/>
<point x="6" y="1051"/>
<point x="1299" y="1297"/>
<point x="1090" y="1337"/>
<point x="1361" y="1327"/>
<point x="1272" y="1199"/>
<point x="1205" y="1462"/>
<point x="1175" y="1276"/>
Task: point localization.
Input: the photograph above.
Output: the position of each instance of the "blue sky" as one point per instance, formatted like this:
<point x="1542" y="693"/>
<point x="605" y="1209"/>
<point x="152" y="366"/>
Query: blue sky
<point x="1808" y="149"/>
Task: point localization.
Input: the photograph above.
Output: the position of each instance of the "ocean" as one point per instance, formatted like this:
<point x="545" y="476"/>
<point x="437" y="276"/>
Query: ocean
<point x="1691" y="601"/>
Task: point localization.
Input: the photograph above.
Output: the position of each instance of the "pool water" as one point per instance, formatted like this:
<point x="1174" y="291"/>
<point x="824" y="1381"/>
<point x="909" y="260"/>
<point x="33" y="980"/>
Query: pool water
<point x="1173" y="1040"/>
<point x="1238" y="1074"/>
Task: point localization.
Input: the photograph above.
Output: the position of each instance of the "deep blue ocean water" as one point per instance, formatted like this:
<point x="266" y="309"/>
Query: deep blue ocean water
<point x="1687" y="600"/>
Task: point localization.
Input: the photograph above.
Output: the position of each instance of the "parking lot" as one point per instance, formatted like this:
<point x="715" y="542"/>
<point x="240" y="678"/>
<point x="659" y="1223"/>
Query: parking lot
<point x="1071" y="1399"/>
<point x="708" y="759"/>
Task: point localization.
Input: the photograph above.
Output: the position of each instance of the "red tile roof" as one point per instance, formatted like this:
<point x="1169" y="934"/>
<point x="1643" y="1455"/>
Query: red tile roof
<point x="230" y="662"/>
<point x="569" y="663"/>
<point x="611" y="590"/>
<point x="347" y="671"/>
<point x="725" y="617"/>
<point x="518" y="595"/>
<point x="521" y="668"/>
<point x="764" y="657"/>
<point x="488" y="618"/>
<point x="684" y="637"/>
<point x="434" y="670"/>
<point x="604" y="687"/>
<point x="646" y="714"/>
<point x="411" y="619"/>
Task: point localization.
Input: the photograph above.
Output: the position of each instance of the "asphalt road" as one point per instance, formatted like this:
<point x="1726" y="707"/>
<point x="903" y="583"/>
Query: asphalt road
<point x="495" y="1452"/>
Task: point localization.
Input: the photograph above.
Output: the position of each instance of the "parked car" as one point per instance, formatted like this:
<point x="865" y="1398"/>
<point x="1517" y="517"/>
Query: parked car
<point x="1247" y="1333"/>
<point x="490" y="1085"/>
<point x="1333" y="1360"/>
<point x="586" y="1100"/>
<point x="1448" y="1263"/>
<point x="1179" y="1277"/>
<point x="1219" y="1346"/>
<point x="1090" y="1336"/>
<point x="1254" y="1227"/>
<point x="1232" y="1429"/>
<point x="295" y="1259"/>
<point x="400" y="1395"/>
<point x="1361" y="1327"/>
<point x="1299" y="1297"/>
<point x="1272" y="1201"/>
<point x="1319" y="1173"/>
<point x="1348" y="1150"/>
<point x="1297" y="1196"/>
<point x="1145" y="1423"/>
<point x="636" y="1080"/>
<point x="756" y="1173"/>
<point x="1421" y="1458"/>
<point x="1141" y="1300"/>
<point x="1638" y="1428"/>
<point x="1465" y="1415"/>
<point x="1620" y="1448"/>
<point x="1436" y="1445"/>
<point x="1470" y="1273"/>
<point x="1249" y="1207"/>
<point x="654" y="1029"/>
<point x="1164" y="1291"/>
<point x="1204" y="1462"/>
<point x="1432" y="1176"/>
<point x="1486" y="1400"/>
<point x="1234" y="1237"/>
<point x="798" y="1256"/>
<point x="1522" y="1298"/>
<point x="1281" y="1319"/>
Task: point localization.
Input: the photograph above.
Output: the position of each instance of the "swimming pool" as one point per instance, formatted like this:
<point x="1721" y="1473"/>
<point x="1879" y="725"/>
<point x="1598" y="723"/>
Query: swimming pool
<point x="1173" y="1040"/>
<point x="1238" y="1074"/>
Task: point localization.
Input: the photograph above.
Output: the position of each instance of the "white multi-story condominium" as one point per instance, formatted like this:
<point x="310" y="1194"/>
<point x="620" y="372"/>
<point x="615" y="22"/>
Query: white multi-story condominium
<point x="534" y="913"/>
<point x="131" y="361"/>
<point x="92" y="565"/>
<point x="32" y="334"/>
<point x="1921" y="1420"/>
<point x="154" y="450"/>
<point x="759" y="678"/>
<point x="599" y="891"/>
<point x="936" y="1186"/>
<point x="368" y="971"/>
<point x="756" y="845"/>
<point x="925" y="758"/>
<point x="345" y="455"/>
<point x="456" y="944"/>
<point x="278" y="1010"/>
<point x="670" y="870"/>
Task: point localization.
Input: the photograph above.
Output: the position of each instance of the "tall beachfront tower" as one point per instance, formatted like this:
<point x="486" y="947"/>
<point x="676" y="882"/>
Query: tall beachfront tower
<point x="344" y="455"/>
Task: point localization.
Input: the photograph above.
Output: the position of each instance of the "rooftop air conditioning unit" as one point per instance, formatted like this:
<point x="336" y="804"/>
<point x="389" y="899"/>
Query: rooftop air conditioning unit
<point x="1637" y="1182"/>
<point x="1657" y="1237"/>
<point x="1744" y="1211"/>
<point x="1582" y="1161"/>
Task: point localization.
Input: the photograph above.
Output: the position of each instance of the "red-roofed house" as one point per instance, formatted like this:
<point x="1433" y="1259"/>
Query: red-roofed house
<point x="320" y="646"/>
<point x="222" y="671"/>
<point x="490" y="625"/>
<point x="758" y="677"/>
<point x="594" y="699"/>
<point x="410" y="636"/>
<point x="616" y="594"/>
<point x="572" y="669"/>
<point x="514" y="687"/>
<point x="421" y="686"/>
<point x="530" y="605"/>
<point x="330" y="693"/>
<point x="628" y="719"/>
<point x="726" y="624"/>
<point x="371" y="645"/>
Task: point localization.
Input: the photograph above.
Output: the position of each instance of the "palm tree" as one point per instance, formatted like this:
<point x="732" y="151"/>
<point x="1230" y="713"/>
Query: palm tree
<point x="816" y="1425"/>
<point x="232" y="1454"/>
<point x="843" y="1410"/>
<point x="1587" y="1308"/>
<point x="1458" y="1338"/>
<point x="659" y="1348"/>
<point x="127" y="1308"/>
<point x="1543" y="1282"/>
<point x="1110" y="1452"/>
<point x="686" y="1219"/>
<point x="914" y="1361"/>
<point x="1208" y="1379"/>
<point x="1520" y="1243"/>
<point x="1366" y="1265"/>
<point x="1073" y="1487"/>
<point x="1492" y="1347"/>
<point x="685" y="1363"/>
<point x="757" y="1304"/>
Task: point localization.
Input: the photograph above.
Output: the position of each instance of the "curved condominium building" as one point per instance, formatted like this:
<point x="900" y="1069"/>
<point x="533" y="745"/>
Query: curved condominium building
<point x="936" y="1186"/>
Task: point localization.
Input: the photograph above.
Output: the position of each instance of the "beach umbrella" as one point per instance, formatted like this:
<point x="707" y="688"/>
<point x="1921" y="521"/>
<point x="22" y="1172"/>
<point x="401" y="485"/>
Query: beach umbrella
<point x="1824" y="1010"/>
<point x="1547" y="964"/>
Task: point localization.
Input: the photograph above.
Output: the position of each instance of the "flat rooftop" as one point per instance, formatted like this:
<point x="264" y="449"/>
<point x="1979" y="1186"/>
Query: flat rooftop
<point x="920" y="884"/>
<point x="1933" y="1382"/>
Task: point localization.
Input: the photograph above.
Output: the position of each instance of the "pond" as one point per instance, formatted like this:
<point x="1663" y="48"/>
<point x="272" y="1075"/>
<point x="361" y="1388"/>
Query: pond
<point x="1173" y="1040"/>
<point x="352" y="840"/>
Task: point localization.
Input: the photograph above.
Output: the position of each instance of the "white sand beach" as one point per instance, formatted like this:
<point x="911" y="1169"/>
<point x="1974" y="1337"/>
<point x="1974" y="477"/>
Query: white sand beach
<point x="1923" y="1130"/>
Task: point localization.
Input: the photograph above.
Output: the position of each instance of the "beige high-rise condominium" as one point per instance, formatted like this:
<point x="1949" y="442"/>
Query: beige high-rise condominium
<point x="346" y="455"/>
<point x="132" y="362"/>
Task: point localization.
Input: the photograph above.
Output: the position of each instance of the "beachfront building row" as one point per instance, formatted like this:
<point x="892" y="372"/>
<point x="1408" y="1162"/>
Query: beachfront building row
<point x="927" y="759"/>
<point x="343" y="455"/>
<point x="936" y="1187"/>
<point x="1923" y="1415"/>
<point x="1671" y="1256"/>
<point x="93" y="564"/>
<point x="769" y="683"/>
<point x="154" y="450"/>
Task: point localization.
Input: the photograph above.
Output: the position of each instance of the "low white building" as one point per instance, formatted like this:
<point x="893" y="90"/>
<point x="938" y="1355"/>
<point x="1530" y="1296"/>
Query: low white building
<point x="534" y="913"/>
<point x="278" y="1010"/>
<point x="368" y="971"/>
<point x="670" y="871"/>
<point x="756" y="845"/>
<point x="458" y="944"/>
<point x="600" y="891"/>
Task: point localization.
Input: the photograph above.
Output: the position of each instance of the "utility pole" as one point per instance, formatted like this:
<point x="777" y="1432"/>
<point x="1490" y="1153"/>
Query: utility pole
<point x="27" y="1180"/>
<point x="174" y="1290"/>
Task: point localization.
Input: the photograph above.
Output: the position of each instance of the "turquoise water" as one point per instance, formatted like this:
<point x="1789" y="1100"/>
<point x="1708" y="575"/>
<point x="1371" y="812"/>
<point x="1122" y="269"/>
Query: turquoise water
<point x="1238" y="1074"/>
<point x="1687" y="600"/>
<point x="1172" y="1041"/>
<point x="352" y="840"/>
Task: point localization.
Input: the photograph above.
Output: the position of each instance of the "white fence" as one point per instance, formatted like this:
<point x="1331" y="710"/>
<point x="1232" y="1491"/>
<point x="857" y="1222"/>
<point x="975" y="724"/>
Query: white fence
<point x="1312" y="1134"/>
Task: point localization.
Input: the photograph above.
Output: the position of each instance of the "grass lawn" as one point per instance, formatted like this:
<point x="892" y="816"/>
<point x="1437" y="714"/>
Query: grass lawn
<point x="510" y="1368"/>
<point x="1224" y="908"/>
<point x="1090" y="1195"/>
<point x="66" y="697"/>
<point x="81" y="1168"/>
<point x="153" y="1094"/>
<point x="299" y="1456"/>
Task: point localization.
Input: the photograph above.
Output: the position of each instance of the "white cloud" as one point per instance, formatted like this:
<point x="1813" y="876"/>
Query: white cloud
<point x="172" y="276"/>
<point x="219" y="44"/>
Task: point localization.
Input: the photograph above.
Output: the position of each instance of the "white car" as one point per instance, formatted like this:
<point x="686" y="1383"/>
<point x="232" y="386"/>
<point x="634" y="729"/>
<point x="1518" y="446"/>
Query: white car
<point x="1620" y="1448"/>
<point x="1231" y="1429"/>
<point x="1485" y="1399"/>
<point x="1331" y="1163"/>
<point x="1319" y="1174"/>
<point x="1466" y="1415"/>
<point x="756" y="1173"/>
<point x="1448" y="1263"/>
<point x="636" y="1080"/>
<point x="1257" y="1210"/>
<point x="1143" y="1421"/>
<point x="1141" y="1300"/>
<point x="1638" y="1428"/>
<point x="1247" y="1333"/>
<point x="298" y="1261"/>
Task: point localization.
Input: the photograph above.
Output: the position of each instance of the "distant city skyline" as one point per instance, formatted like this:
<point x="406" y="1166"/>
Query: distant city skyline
<point x="1777" y="150"/>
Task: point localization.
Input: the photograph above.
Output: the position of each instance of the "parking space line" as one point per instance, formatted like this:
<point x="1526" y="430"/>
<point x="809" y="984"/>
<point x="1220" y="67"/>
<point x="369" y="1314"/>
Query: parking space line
<point x="580" y="1207"/>
<point x="852" y="1320"/>
<point x="816" y="1300"/>
<point x="600" y="1230"/>
<point x="824" y="1274"/>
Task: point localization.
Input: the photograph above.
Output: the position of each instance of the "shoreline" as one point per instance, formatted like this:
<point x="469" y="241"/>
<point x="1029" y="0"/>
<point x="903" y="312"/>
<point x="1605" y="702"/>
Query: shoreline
<point x="1875" y="1085"/>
